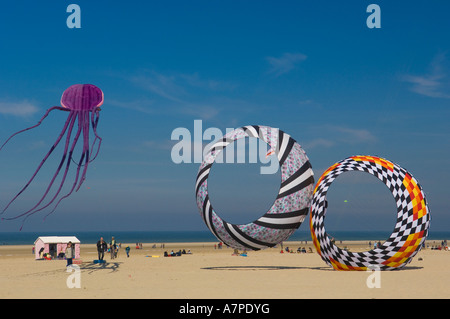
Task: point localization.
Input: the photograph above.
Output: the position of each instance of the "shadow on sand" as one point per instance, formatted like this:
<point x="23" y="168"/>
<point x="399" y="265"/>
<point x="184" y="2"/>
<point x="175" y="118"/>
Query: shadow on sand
<point x="92" y="267"/>
<point x="256" y="268"/>
<point x="253" y="268"/>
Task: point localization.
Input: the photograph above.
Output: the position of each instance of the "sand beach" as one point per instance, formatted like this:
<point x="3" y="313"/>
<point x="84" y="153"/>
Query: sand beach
<point x="211" y="273"/>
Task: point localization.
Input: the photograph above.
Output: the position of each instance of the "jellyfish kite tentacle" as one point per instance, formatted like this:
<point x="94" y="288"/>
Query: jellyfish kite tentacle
<point x="69" y="119"/>
<point x="94" y="123"/>
<point x="72" y="118"/>
<point x="79" y="165"/>
<point x="39" y="123"/>
<point x="85" y="124"/>
<point x="69" y="159"/>
<point x="73" y="186"/>
<point x="83" y="155"/>
<point x="94" y="129"/>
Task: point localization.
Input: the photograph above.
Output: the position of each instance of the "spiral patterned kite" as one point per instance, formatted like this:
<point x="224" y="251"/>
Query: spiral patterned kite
<point x="290" y="207"/>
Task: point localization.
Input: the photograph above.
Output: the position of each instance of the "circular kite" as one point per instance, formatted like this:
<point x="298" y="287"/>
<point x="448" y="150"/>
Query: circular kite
<point x="411" y="228"/>
<point x="290" y="207"/>
<point x="83" y="102"/>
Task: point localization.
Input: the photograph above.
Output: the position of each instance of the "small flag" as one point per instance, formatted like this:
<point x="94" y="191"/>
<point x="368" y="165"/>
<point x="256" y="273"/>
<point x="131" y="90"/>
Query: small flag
<point x="270" y="152"/>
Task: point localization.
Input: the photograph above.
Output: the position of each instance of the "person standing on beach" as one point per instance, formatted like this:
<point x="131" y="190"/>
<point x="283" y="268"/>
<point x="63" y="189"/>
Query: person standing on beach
<point x="101" y="248"/>
<point x="69" y="254"/>
<point x="113" y="247"/>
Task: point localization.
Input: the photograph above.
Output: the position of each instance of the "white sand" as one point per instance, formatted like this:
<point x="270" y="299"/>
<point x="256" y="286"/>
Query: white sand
<point x="213" y="273"/>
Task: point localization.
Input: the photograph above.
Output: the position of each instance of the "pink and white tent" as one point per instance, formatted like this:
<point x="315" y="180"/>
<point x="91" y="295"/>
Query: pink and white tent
<point x="54" y="245"/>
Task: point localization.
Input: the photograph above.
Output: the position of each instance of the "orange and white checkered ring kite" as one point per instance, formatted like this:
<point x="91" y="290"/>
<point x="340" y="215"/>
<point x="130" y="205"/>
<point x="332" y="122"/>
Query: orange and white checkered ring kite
<point x="411" y="228"/>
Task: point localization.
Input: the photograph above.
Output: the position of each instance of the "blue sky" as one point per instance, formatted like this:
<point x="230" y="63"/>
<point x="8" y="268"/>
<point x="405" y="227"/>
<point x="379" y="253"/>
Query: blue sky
<point x="313" y="69"/>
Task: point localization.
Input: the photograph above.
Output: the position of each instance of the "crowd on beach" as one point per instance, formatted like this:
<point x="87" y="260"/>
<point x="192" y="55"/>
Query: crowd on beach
<point x="177" y="254"/>
<point x="442" y="246"/>
<point x="112" y="248"/>
<point x="300" y="250"/>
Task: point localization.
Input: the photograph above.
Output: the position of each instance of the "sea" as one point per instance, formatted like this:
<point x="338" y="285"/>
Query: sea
<point x="131" y="237"/>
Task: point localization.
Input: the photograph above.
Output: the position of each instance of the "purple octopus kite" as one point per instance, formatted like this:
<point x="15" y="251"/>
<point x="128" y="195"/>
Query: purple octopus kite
<point x="83" y="102"/>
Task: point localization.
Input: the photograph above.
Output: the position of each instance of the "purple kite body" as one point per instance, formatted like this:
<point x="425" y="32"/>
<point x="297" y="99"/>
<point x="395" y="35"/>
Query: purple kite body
<point x="83" y="102"/>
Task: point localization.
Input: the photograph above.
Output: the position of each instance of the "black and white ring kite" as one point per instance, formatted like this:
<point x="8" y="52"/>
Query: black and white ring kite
<point x="290" y="207"/>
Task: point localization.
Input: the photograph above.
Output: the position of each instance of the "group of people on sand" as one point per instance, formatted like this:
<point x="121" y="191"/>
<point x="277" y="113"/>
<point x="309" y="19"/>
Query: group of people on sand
<point x="113" y="248"/>
<point x="300" y="250"/>
<point x="442" y="246"/>
<point x="178" y="253"/>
